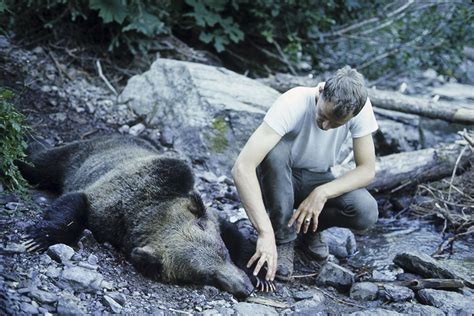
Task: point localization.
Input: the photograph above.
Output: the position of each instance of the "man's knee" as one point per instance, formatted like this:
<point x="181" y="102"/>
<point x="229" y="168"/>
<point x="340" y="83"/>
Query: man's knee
<point x="366" y="210"/>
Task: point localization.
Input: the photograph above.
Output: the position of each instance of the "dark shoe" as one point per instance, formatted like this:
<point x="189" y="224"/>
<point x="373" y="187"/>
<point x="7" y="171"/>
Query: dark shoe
<point x="286" y="255"/>
<point x="316" y="246"/>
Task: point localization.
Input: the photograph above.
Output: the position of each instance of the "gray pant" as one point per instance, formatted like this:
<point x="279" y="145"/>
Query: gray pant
<point x="284" y="188"/>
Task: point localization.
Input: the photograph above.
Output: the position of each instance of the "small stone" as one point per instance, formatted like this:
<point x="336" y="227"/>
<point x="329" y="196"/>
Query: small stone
<point x="334" y="275"/>
<point x="13" y="206"/>
<point x="82" y="279"/>
<point x="341" y="241"/>
<point x="90" y="108"/>
<point x="67" y="306"/>
<point x="38" y="50"/>
<point x="80" y="109"/>
<point x="58" y="117"/>
<point x="29" y="308"/>
<point x="430" y="74"/>
<point x="92" y="259"/>
<point x="114" y="306"/>
<point x="396" y="293"/>
<point x="375" y="312"/>
<point x="449" y="302"/>
<point x="167" y="137"/>
<point x="45" y="89"/>
<point x="12" y="248"/>
<point x="417" y="309"/>
<point x="88" y="265"/>
<point x="364" y="291"/>
<point x="245" y="309"/>
<point x="53" y="272"/>
<point x="43" y="296"/>
<point x="118" y="297"/>
<point x="4" y="43"/>
<point x="45" y="259"/>
<point x="60" y="252"/>
<point x="209" y="177"/>
<point x="311" y="305"/>
<point x="137" y="129"/>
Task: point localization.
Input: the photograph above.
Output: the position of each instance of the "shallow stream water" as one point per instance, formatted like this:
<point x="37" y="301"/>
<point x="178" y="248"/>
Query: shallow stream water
<point x="378" y="246"/>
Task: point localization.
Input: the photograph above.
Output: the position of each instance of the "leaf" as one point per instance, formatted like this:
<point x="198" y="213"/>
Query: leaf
<point x="110" y="10"/>
<point x="205" y="37"/>
<point x="147" y="24"/>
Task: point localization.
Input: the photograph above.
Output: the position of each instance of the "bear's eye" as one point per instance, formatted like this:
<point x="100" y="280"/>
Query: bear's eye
<point x="201" y="223"/>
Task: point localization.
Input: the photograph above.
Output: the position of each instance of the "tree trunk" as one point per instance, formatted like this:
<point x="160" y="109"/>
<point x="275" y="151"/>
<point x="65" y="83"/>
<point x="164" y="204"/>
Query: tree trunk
<point x="412" y="167"/>
<point x="390" y="100"/>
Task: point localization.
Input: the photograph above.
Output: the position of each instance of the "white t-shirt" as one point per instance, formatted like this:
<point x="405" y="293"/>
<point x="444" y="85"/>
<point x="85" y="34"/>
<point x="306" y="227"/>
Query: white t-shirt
<point x="294" y="115"/>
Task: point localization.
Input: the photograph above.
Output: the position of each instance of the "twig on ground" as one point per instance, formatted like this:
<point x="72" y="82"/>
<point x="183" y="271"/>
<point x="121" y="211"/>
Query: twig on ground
<point x="60" y="68"/>
<point x="101" y="75"/>
<point x="341" y="300"/>
<point x="305" y="275"/>
<point x="442" y="247"/>
<point x="454" y="170"/>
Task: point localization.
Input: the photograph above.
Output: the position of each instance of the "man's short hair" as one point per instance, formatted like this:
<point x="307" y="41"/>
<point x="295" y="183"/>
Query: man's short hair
<point x="347" y="91"/>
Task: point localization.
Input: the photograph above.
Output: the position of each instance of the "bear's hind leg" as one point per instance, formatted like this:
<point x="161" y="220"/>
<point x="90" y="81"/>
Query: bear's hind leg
<point x="64" y="222"/>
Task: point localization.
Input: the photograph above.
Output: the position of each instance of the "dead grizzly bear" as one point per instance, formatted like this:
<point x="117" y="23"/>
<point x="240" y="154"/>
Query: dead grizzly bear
<point x="129" y="195"/>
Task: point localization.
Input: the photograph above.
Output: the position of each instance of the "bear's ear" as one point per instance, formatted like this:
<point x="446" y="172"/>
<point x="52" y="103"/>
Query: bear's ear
<point x="146" y="261"/>
<point x="197" y="205"/>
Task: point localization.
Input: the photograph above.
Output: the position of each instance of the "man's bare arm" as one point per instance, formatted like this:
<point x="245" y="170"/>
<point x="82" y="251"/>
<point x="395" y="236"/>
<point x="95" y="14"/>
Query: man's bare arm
<point x="361" y="176"/>
<point x="244" y="173"/>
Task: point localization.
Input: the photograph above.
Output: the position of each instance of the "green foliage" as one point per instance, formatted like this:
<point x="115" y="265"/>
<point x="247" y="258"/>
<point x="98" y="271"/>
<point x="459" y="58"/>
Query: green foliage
<point x="12" y="144"/>
<point x="376" y="35"/>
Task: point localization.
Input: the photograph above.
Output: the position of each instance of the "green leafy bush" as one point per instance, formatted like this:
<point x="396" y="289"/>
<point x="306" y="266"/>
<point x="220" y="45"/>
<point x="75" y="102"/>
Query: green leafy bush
<point x="12" y="144"/>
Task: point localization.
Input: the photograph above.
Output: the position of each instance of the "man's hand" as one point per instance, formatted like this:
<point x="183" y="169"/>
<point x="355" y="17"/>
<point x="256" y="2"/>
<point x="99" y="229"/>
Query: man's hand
<point x="309" y="210"/>
<point x="267" y="252"/>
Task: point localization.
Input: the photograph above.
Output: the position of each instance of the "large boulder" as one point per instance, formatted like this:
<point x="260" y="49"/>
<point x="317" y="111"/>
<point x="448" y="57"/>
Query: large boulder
<point x="212" y="111"/>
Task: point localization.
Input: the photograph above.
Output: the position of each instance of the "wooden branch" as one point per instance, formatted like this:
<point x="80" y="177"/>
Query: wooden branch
<point x="390" y="100"/>
<point x="415" y="166"/>
<point x="447" y="111"/>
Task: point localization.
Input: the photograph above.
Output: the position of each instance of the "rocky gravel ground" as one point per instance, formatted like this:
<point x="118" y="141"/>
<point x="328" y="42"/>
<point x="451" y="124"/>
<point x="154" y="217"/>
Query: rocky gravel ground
<point x="63" y="104"/>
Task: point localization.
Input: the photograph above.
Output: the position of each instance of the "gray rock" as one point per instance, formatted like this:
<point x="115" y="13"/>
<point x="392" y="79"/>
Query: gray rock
<point x="211" y="110"/>
<point x="310" y="306"/>
<point x="43" y="296"/>
<point x="448" y="302"/>
<point x="53" y="272"/>
<point x="341" y="241"/>
<point x="69" y="306"/>
<point x="336" y="276"/>
<point x="124" y="129"/>
<point x="364" y="291"/>
<point x="82" y="279"/>
<point x="375" y="312"/>
<point x="60" y="252"/>
<point x="396" y="293"/>
<point x="114" y="306"/>
<point x="28" y="308"/>
<point x="426" y="266"/>
<point x="4" y="43"/>
<point x="137" y="129"/>
<point x="303" y="295"/>
<point x="118" y="297"/>
<point x="92" y="259"/>
<point x="167" y="137"/>
<point x="417" y="309"/>
<point x="12" y="248"/>
<point x="245" y="309"/>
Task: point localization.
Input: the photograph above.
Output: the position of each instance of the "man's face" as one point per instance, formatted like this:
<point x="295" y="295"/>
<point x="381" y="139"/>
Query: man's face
<point x="325" y="118"/>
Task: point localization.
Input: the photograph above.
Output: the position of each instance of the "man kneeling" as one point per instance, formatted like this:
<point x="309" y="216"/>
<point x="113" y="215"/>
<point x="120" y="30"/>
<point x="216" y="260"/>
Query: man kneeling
<point x="292" y="152"/>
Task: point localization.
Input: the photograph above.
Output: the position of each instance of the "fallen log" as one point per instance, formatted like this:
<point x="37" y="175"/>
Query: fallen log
<point x="443" y="284"/>
<point x="426" y="266"/>
<point x="412" y="167"/>
<point x="390" y="100"/>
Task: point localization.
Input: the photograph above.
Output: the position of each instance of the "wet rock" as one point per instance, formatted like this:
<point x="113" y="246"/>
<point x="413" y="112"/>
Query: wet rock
<point x="417" y="309"/>
<point x="244" y="309"/>
<point x="114" y="306"/>
<point x="375" y="312"/>
<point x="336" y="276"/>
<point x="43" y="296"/>
<point x="60" y="252"/>
<point x="137" y="129"/>
<point x="396" y="293"/>
<point x="364" y="291"/>
<point x="426" y="266"/>
<point x="82" y="279"/>
<point x="341" y="241"/>
<point x="449" y="302"/>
